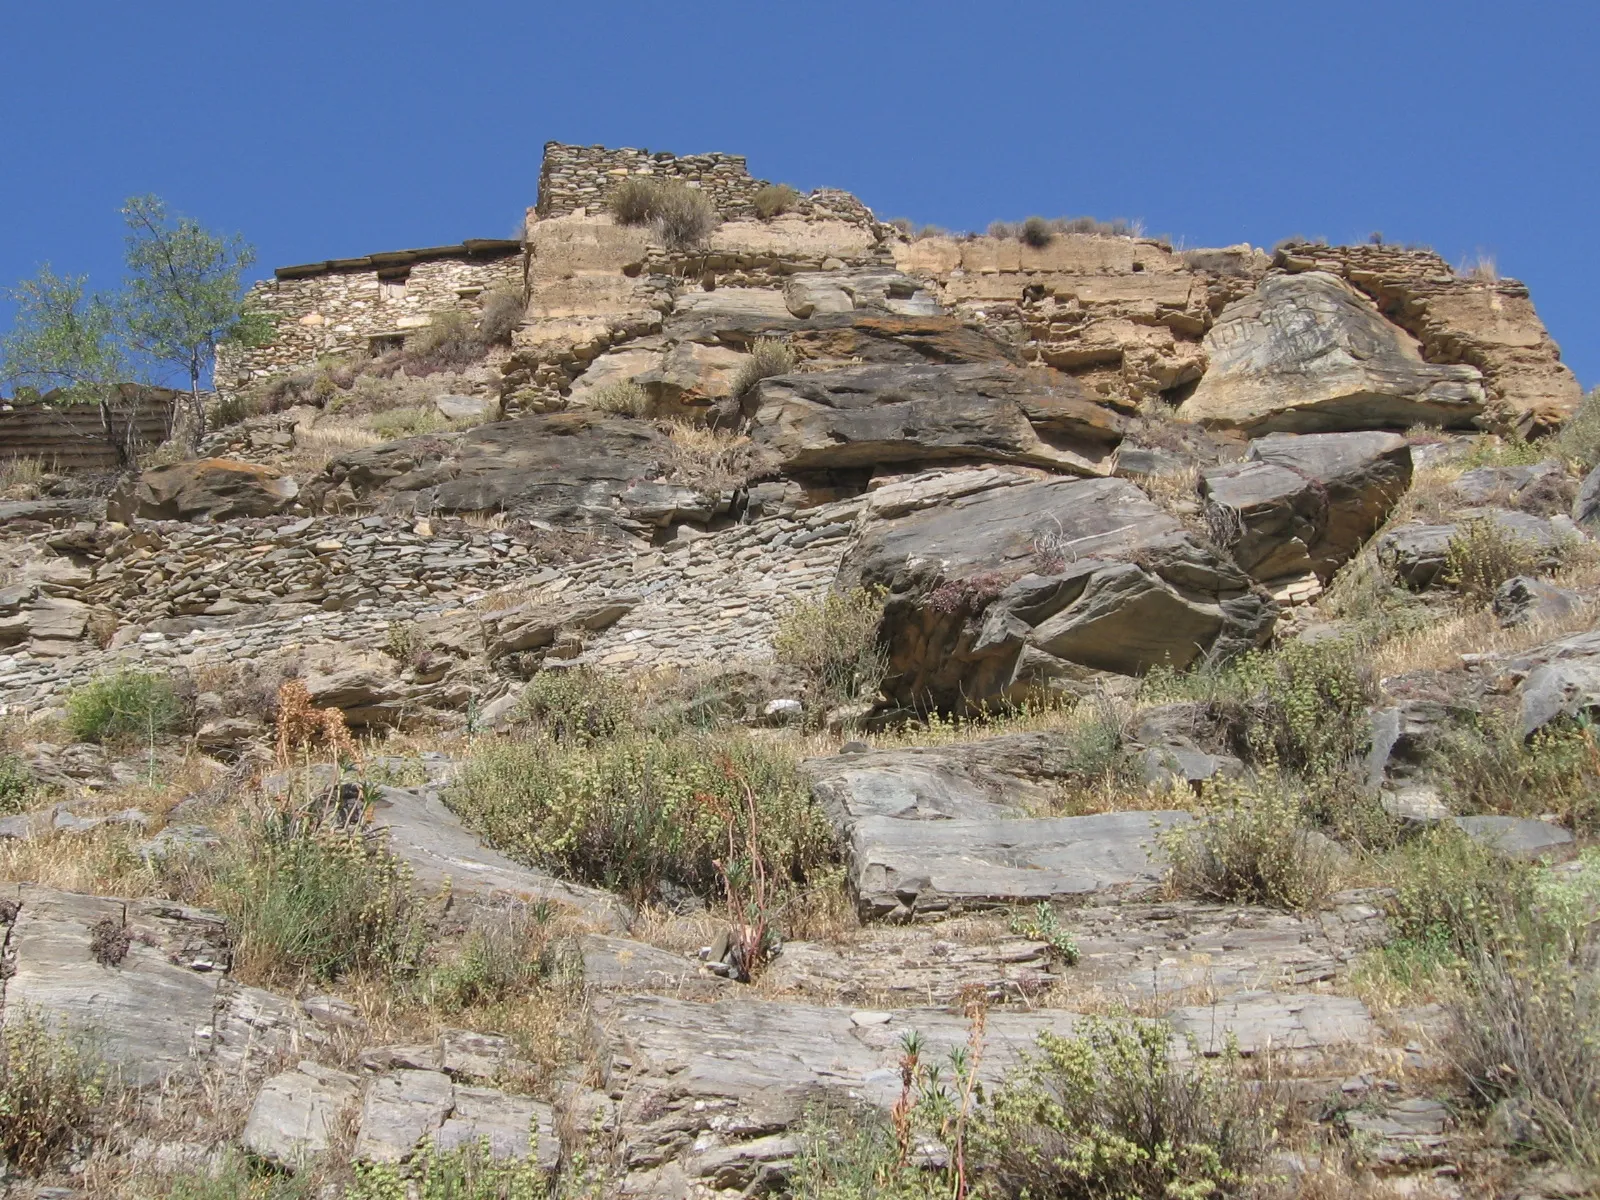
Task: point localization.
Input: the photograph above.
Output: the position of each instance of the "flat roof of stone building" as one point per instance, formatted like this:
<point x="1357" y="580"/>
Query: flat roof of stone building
<point x="388" y="260"/>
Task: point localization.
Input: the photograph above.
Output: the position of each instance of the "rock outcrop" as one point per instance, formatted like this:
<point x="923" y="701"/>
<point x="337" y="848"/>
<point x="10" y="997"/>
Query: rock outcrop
<point x="939" y="830"/>
<point x="1024" y="590"/>
<point x="207" y="489"/>
<point x="864" y="417"/>
<point x="1300" y="505"/>
<point x="1307" y="353"/>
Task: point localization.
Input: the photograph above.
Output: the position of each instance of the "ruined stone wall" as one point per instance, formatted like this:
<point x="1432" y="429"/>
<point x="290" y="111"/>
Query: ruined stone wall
<point x="71" y="437"/>
<point x="338" y="310"/>
<point x="575" y="177"/>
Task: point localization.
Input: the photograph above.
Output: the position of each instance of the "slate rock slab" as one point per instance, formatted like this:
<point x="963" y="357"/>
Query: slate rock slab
<point x="1517" y="837"/>
<point x="618" y="964"/>
<point x="1263" y="1021"/>
<point x="427" y="835"/>
<point x="296" y="1115"/>
<point x="1307" y="353"/>
<point x="948" y="828"/>
<point x="1036" y="589"/>
<point x="141" y="994"/>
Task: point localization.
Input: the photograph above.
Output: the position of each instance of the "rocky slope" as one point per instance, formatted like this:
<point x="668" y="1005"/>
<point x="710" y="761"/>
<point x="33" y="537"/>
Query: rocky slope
<point x="1146" y="540"/>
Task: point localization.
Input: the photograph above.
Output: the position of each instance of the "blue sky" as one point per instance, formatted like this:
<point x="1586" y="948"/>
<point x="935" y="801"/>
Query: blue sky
<point x="331" y="128"/>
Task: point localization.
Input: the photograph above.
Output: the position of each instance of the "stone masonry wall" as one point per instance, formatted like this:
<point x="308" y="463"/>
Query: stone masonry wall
<point x="340" y="311"/>
<point x="575" y="177"/>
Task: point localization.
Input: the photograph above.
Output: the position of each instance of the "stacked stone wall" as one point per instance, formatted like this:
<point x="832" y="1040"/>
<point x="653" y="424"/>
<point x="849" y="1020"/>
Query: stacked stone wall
<point x="340" y="311"/>
<point x="574" y="177"/>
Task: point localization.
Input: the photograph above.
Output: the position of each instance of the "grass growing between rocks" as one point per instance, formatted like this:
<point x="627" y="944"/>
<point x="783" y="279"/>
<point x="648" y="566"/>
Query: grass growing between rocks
<point x="640" y="811"/>
<point x="308" y="896"/>
<point x="832" y="639"/>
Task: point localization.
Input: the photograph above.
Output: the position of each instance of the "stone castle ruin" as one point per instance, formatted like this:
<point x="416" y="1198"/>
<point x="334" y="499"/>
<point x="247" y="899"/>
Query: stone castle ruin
<point x="1126" y="316"/>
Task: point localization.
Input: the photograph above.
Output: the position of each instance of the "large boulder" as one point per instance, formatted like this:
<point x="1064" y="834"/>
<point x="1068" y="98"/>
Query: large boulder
<point x="1024" y="590"/>
<point x="857" y="417"/>
<point x="1308" y="503"/>
<point x="1308" y="353"/>
<point x="206" y="489"/>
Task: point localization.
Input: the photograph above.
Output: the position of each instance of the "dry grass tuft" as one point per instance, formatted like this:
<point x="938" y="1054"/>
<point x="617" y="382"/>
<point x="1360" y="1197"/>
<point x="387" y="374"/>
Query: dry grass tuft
<point x="711" y="459"/>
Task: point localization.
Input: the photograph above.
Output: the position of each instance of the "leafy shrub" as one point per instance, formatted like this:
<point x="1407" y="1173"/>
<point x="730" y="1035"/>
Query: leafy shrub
<point x="641" y="810"/>
<point x="446" y="343"/>
<point x="126" y="704"/>
<point x="1489" y="767"/>
<point x="1484" y="554"/>
<point x="681" y="216"/>
<point x="232" y="1179"/>
<point x="468" y="1172"/>
<point x="833" y="641"/>
<point x="307" y="895"/>
<point x="501" y="315"/>
<point x="18" y="787"/>
<point x="1036" y="232"/>
<point x="1302" y="706"/>
<point x="1579" y="439"/>
<point x="774" y="200"/>
<point x="1250" y="845"/>
<point x="623" y="397"/>
<point x="577" y="704"/>
<point x="1042" y="925"/>
<point x="768" y="357"/>
<point x="850" y="1153"/>
<point x="1527" y="1014"/>
<point x="1113" y="1111"/>
<point x="51" y="1091"/>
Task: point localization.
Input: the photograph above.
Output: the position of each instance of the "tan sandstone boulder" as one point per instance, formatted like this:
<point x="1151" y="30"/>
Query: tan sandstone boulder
<point x="1308" y="353"/>
<point x="205" y="489"/>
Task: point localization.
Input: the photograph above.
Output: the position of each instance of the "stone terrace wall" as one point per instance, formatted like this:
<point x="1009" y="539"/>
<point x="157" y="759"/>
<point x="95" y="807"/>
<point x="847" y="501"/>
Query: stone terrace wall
<point x="575" y="177"/>
<point x="339" y="307"/>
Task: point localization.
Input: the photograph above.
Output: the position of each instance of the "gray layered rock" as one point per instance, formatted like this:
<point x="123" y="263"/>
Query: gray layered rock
<point x="1525" y="600"/>
<point x="399" y="1110"/>
<point x="1543" y="489"/>
<point x="135" y="980"/>
<point x="1306" y="504"/>
<point x="1517" y="837"/>
<point x="819" y="292"/>
<point x="1262" y="1021"/>
<point x="615" y="964"/>
<point x="919" y="965"/>
<point x="705" y="1089"/>
<point x="568" y="469"/>
<point x="1027" y="590"/>
<point x="1559" y="678"/>
<point x="440" y="851"/>
<point x="1307" y="353"/>
<point x="946" y="829"/>
<point x="867" y="416"/>
<point x="297" y="1115"/>
<point x="1419" y="554"/>
<point x="1586" y="504"/>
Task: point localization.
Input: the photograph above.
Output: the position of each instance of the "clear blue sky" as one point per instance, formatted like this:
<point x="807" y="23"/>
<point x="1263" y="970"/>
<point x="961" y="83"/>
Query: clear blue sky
<point x="323" y="128"/>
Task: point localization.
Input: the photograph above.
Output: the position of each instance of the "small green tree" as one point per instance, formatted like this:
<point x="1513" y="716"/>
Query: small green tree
<point x="64" y="345"/>
<point x="184" y="294"/>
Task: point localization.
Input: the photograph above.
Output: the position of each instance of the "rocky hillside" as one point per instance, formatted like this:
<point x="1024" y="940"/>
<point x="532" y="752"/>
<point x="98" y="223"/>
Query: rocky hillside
<point x="760" y="702"/>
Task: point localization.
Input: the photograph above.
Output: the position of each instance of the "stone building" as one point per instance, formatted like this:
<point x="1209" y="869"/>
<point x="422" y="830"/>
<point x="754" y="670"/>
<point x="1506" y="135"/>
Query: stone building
<point x="366" y="305"/>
